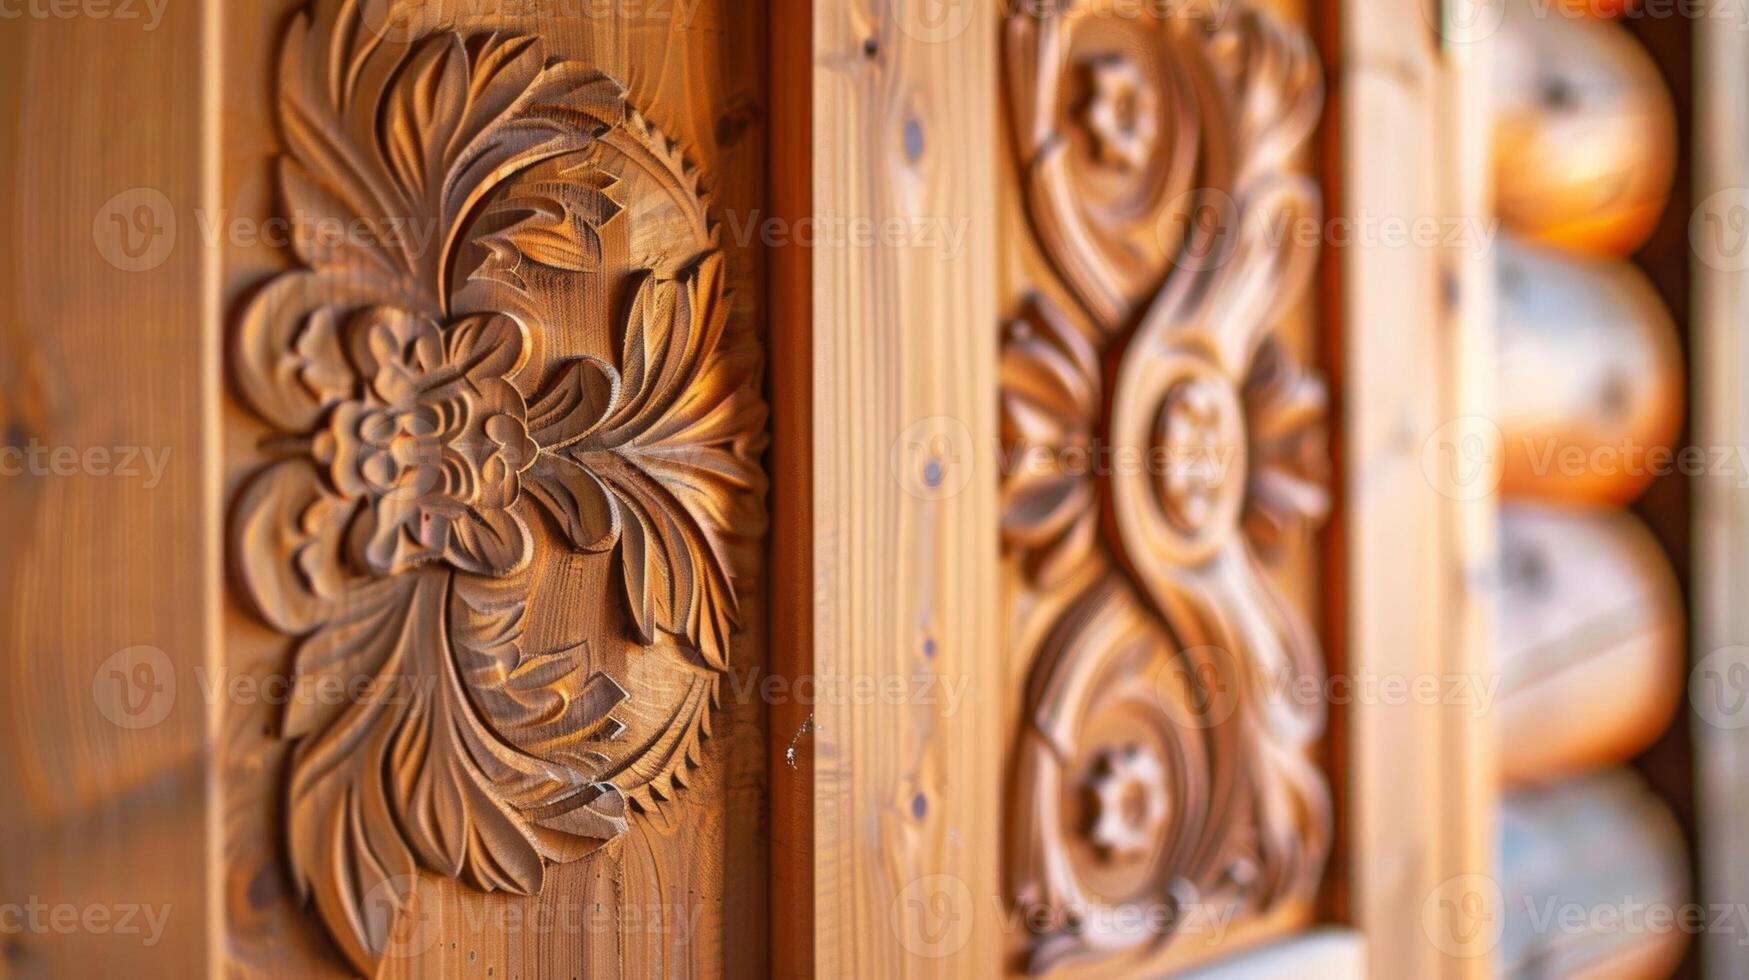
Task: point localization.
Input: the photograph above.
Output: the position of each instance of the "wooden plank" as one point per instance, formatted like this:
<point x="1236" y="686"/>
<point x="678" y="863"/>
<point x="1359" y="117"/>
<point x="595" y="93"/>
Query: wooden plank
<point x="1721" y="505"/>
<point x="1420" y="535"/>
<point x="108" y="589"/>
<point x="906" y="808"/>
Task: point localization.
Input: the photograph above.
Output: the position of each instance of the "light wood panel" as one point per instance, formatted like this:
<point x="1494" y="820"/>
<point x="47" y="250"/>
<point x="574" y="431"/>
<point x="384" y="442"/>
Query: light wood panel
<point x="1417" y="335"/>
<point x="904" y="478"/>
<point x="1721" y="505"/>
<point x="108" y="588"/>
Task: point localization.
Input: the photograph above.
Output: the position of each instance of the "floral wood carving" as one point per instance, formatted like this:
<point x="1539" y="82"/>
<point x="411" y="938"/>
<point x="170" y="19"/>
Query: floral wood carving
<point x="549" y="374"/>
<point x="1166" y="442"/>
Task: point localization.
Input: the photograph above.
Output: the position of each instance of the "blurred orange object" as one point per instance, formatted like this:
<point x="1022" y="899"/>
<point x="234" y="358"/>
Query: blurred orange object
<point x="1584" y="132"/>
<point x="1591" y="378"/>
<point x="1593" y="876"/>
<point x="1591" y="659"/>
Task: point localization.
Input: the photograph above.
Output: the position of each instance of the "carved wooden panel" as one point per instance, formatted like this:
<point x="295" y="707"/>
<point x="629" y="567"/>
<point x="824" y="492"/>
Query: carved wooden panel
<point x="500" y="494"/>
<point x="1164" y="459"/>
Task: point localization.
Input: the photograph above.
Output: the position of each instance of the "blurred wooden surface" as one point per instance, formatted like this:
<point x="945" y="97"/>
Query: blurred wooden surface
<point x="1419" y="525"/>
<point x="109" y="589"/>
<point x="1718" y="234"/>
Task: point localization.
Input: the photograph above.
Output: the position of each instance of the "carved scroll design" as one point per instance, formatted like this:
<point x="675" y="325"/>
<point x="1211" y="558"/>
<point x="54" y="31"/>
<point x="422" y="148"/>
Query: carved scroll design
<point x="1163" y="443"/>
<point x="440" y="426"/>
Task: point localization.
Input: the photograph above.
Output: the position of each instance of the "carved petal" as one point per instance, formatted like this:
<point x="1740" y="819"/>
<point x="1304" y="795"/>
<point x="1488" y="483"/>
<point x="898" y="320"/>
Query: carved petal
<point x="581" y="505"/>
<point x="490" y="542"/>
<point x="288" y="358"/>
<point x="675" y="574"/>
<point x="573" y="402"/>
<point x="553" y="223"/>
<point x="288" y="535"/>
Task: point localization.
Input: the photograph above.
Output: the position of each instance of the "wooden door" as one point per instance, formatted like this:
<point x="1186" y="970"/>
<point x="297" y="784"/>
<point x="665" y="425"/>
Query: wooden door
<point x="696" y="487"/>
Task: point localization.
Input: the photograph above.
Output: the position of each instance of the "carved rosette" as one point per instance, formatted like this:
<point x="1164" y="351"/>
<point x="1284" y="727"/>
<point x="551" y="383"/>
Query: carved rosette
<point x="517" y="358"/>
<point x="1165" y="444"/>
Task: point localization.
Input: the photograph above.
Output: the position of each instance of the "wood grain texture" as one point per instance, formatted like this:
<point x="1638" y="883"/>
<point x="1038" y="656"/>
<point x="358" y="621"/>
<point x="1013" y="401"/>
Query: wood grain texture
<point x="561" y="347"/>
<point x="108" y="585"/>
<point x="1420" y="538"/>
<point x="904" y="522"/>
<point x="794" y="600"/>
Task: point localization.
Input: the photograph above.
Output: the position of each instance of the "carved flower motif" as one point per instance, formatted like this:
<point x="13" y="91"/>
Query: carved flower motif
<point x="436" y="448"/>
<point x="420" y="465"/>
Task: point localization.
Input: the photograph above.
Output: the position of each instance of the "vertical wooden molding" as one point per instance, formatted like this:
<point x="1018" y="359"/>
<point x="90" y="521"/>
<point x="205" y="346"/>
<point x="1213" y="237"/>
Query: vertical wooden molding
<point x="1420" y="537"/>
<point x="795" y="591"/>
<point x="905" y="813"/>
<point x="1721" y="504"/>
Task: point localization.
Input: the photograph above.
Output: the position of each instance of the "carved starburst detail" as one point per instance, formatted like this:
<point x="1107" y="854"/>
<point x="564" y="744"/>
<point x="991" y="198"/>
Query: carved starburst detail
<point x="1122" y="114"/>
<point x="1130" y="802"/>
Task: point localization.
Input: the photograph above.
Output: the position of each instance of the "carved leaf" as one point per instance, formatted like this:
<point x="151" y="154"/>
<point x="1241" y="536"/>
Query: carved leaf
<point x="412" y="774"/>
<point x="419" y="135"/>
<point x="555" y="224"/>
<point x="669" y="470"/>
